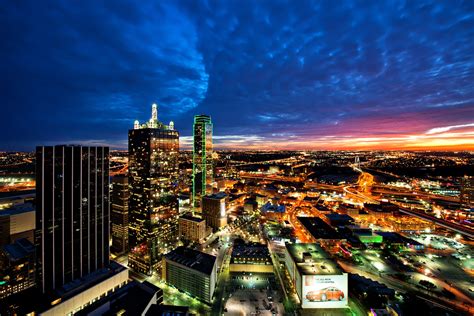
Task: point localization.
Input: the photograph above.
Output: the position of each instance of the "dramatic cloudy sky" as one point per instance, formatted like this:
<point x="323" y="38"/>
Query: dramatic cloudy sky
<point x="296" y="74"/>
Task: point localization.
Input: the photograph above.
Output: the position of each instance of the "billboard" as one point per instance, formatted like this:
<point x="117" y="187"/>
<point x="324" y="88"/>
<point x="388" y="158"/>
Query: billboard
<point x="324" y="291"/>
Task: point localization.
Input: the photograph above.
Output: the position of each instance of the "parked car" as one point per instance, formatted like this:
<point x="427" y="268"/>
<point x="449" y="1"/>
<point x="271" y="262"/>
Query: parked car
<point x="326" y="294"/>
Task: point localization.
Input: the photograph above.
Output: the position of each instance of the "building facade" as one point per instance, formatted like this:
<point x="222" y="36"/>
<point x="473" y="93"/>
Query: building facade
<point x="191" y="271"/>
<point x="17" y="221"/>
<point x="153" y="177"/>
<point x="73" y="211"/>
<point x="214" y="210"/>
<point x="202" y="158"/>
<point x="467" y="192"/>
<point x="192" y="228"/>
<point x="119" y="214"/>
<point x="17" y="267"/>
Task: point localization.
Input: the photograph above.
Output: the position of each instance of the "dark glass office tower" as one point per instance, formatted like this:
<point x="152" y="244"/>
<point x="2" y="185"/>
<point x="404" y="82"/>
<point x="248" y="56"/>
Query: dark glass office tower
<point x="119" y="214"/>
<point x="202" y="158"/>
<point x="153" y="179"/>
<point x="72" y="212"/>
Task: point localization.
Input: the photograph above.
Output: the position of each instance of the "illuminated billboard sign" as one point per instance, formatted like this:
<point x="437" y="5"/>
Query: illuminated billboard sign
<point x="324" y="291"/>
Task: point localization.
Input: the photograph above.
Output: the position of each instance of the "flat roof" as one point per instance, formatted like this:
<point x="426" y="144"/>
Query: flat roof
<point x="251" y="250"/>
<point x="192" y="259"/>
<point x="216" y="196"/>
<point x="318" y="228"/>
<point x="311" y="259"/>
<point x="17" y="209"/>
<point x="20" y="249"/>
<point x="192" y="218"/>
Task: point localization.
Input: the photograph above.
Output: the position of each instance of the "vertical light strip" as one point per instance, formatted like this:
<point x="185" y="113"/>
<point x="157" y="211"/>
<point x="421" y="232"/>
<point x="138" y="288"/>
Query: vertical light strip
<point x="102" y="206"/>
<point x="72" y="212"/>
<point x="80" y="210"/>
<point x="88" y="210"/>
<point x="42" y="218"/>
<point x="95" y="208"/>
<point x="54" y="240"/>
<point x="62" y="217"/>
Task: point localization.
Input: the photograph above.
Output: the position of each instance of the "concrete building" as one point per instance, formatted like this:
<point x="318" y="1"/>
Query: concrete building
<point x="214" y="210"/>
<point x="17" y="267"/>
<point x="191" y="271"/>
<point x="17" y="221"/>
<point x="192" y="228"/>
<point x="318" y="281"/>
<point x="250" y="257"/>
<point x="132" y="299"/>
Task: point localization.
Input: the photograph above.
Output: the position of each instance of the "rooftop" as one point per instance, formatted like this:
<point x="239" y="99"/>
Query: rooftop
<point x="217" y="196"/>
<point x="20" y="249"/>
<point x="318" y="228"/>
<point x="192" y="218"/>
<point x="192" y="259"/>
<point x="18" y="209"/>
<point x="311" y="259"/>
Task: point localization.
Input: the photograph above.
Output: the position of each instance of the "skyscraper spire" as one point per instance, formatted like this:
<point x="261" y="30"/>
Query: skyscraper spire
<point x="154" y="112"/>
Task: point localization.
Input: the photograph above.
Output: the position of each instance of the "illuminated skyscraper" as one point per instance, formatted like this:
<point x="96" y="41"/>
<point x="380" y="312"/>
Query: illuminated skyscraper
<point x="202" y="158"/>
<point x="153" y="179"/>
<point x="73" y="211"/>
<point x="119" y="214"/>
<point x="467" y="192"/>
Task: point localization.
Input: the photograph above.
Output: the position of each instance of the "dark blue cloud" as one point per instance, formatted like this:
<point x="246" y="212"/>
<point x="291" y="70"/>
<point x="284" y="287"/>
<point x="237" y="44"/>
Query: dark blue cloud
<point x="84" y="71"/>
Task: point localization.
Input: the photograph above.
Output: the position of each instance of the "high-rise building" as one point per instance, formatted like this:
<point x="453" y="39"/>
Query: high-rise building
<point x="72" y="213"/>
<point x="119" y="214"/>
<point x="467" y="192"/>
<point x="192" y="271"/>
<point x="202" y="158"/>
<point x="153" y="180"/>
<point x="214" y="210"/>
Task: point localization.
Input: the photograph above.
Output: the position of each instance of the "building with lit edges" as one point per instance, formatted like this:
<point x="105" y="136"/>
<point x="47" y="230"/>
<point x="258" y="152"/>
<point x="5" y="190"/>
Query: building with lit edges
<point x="153" y="180"/>
<point x="202" y="158"/>
<point x="72" y="213"/>
<point x="119" y="214"/>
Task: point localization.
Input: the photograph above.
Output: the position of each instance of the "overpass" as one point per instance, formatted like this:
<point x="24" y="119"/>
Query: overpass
<point x="463" y="230"/>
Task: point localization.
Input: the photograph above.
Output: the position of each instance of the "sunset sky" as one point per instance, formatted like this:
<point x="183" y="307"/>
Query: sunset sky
<point x="271" y="74"/>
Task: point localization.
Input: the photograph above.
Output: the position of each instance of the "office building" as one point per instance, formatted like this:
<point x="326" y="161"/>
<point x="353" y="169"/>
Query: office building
<point x="17" y="221"/>
<point x="191" y="271"/>
<point x="17" y="272"/>
<point x="202" y="158"/>
<point x="72" y="217"/>
<point x="153" y="177"/>
<point x="119" y="214"/>
<point x="192" y="228"/>
<point x="467" y="192"/>
<point x="319" y="283"/>
<point x="214" y="211"/>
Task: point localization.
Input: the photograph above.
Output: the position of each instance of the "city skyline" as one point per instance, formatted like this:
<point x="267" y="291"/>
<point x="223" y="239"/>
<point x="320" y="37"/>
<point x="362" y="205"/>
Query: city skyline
<point x="271" y="75"/>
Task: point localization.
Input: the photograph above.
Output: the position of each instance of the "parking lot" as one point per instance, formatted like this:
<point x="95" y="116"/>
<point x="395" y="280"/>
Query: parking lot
<point x="254" y="294"/>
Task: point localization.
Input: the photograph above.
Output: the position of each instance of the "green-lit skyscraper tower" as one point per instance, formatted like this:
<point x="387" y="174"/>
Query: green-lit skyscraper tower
<point x="202" y="158"/>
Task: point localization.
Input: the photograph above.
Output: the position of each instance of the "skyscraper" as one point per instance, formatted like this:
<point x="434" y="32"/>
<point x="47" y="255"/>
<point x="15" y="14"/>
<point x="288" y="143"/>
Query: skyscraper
<point x="119" y="214"/>
<point x="153" y="179"/>
<point x="72" y="206"/>
<point x="202" y="158"/>
<point x="467" y="192"/>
